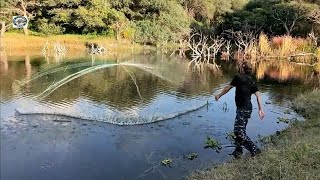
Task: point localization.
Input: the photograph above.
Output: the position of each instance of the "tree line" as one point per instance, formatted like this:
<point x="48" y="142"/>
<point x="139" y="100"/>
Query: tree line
<point x="158" y="22"/>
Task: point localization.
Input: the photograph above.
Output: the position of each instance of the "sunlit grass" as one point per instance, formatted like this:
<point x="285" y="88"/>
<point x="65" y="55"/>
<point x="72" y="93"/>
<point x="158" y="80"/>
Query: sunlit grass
<point x="264" y="44"/>
<point x="20" y="44"/>
<point x="282" y="47"/>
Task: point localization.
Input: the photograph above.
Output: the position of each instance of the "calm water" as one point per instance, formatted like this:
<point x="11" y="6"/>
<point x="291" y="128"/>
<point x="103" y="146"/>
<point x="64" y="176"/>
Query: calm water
<point x="102" y="118"/>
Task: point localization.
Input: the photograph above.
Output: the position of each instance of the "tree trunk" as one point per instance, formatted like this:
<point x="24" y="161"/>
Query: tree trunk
<point x="25" y="30"/>
<point x="24" y="8"/>
<point x="3" y="28"/>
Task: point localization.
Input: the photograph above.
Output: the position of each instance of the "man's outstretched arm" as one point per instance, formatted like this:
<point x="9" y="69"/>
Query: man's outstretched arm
<point x="261" y="112"/>
<point x="223" y="92"/>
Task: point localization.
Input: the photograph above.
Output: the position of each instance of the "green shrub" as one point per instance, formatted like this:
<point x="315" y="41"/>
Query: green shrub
<point x="129" y="32"/>
<point x="47" y="28"/>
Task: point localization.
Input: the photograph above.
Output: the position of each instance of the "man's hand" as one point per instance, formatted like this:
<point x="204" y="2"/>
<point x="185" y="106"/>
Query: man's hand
<point x="216" y="97"/>
<point x="224" y="91"/>
<point x="261" y="114"/>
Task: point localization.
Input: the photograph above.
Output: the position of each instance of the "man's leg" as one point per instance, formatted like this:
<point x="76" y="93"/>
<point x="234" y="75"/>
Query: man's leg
<point x="240" y="131"/>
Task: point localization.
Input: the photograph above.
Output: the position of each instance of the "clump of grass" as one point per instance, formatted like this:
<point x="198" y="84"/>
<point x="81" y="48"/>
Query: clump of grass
<point x="287" y="46"/>
<point x="264" y="44"/>
<point x="213" y="144"/>
<point x="308" y="105"/>
<point x="292" y="154"/>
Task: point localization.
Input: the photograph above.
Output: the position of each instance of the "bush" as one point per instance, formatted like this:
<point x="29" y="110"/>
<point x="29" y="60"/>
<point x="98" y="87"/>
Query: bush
<point x="48" y="28"/>
<point x="150" y="32"/>
<point x="129" y="32"/>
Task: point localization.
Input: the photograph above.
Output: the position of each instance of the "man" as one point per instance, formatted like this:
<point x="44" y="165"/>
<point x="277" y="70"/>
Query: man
<point x="245" y="87"/>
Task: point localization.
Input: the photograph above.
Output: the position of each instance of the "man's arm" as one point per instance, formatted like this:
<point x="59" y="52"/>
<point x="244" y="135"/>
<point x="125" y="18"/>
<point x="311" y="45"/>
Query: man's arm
<point x="261" y="113"/>
<point x="223" y="92"/>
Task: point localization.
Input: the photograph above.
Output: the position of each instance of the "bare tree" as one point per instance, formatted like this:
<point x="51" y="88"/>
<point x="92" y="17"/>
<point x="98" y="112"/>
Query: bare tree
<point x="288" y="16"/>
<point x="314" y="38"/>
<point x="244" y="42"/>
<point x="204" y="49"/>
<point x="226" y="54"/>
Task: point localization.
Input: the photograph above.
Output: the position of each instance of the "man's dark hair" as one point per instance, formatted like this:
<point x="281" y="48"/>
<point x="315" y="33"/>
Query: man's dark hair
<point x="246" y="67"/>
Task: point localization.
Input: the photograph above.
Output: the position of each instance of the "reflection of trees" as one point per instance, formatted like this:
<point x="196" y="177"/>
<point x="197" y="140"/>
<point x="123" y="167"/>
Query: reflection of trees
<point x="28" y="69"/>
<point x="115" y="87"/>
<point x="4" y="61"/>
<point x="10" y="81"/>
<point x="287" y="79"/>
<point x="283" y="71"/>
<point x="196" y="83"/>
<point x="112" y="86"/>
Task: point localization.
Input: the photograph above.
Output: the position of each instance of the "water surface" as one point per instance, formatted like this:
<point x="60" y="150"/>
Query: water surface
<point x="103" y="118"/>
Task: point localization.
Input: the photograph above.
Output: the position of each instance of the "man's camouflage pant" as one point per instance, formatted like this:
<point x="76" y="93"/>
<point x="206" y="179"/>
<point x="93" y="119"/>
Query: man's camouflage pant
<point x="241" y="137"/>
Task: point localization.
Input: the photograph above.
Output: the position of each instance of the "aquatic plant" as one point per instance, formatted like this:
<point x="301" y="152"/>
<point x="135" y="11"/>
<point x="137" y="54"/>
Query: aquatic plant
<point x="166" y="162"/>
<point x="284" y="120"/>
<point x="231" y="136"/>
<point x="192" y="156"/>
<point x="213" y="144"/>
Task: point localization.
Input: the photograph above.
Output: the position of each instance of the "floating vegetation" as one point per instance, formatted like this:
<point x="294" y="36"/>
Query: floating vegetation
<point x="283" y="120"/>
<point x="166" y="162"/>
<point x="192" y="156"/>
<point x="213" y="144"/>
<point x="231" y="136"/>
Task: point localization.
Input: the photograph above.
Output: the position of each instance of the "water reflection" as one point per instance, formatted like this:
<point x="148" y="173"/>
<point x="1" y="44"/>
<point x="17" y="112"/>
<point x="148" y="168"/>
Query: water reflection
<point x="144" y="89"/>
<point x="3" y="59"/>
<point x="284" y="72"/>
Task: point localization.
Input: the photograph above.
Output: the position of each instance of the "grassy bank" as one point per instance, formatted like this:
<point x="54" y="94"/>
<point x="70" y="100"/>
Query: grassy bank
<point x="16" y="43"/>
<point x="292" y="154"/>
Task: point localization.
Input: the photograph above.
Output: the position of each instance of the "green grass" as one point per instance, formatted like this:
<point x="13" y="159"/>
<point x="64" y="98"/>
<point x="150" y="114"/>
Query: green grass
<point x="292" y="154"/>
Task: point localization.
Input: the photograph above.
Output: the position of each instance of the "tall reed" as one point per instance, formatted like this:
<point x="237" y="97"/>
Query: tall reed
<point x="264" y="46"/>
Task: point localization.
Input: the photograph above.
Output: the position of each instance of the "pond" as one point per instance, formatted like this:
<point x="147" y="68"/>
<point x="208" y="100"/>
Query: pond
<point x="97" y="118"/>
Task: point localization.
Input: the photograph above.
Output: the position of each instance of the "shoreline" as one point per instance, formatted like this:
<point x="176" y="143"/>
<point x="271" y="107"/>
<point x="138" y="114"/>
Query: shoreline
<point x="290" y="154"/>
